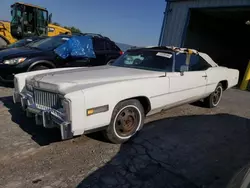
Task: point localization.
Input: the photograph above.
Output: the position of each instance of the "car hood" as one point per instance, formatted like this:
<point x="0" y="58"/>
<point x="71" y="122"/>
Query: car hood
<point x="67" y="81"/>
<point x="9" y="53"/>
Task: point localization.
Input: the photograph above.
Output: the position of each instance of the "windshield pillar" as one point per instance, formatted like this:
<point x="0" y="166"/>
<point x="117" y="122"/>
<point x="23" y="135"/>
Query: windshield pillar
<point x="173" y="67"/>
<point x="17" y="21"/>
<point x="42" y="22"/>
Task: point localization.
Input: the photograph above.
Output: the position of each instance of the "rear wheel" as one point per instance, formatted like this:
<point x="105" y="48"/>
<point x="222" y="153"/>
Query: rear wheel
<point x="127" y="119"/>
<point x="214" y="98"/>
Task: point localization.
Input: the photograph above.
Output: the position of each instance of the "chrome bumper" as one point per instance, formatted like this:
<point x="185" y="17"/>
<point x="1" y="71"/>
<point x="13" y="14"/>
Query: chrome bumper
<point x="16" y="97"/>
<point x="48" y="118"/>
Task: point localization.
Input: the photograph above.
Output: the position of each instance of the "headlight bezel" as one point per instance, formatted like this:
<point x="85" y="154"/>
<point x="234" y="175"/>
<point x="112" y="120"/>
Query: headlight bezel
<point x="14" y="61"/>
<point x="66" y="108"/>
<point x="29" y="87"/>
<point x="16" y="86"/>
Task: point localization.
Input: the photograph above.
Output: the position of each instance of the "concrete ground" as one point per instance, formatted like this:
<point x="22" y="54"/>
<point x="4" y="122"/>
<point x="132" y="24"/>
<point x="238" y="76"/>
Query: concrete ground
<point x="188" y="146"/>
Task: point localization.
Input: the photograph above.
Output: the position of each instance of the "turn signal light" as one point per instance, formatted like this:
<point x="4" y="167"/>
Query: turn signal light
<point x="97" y="110"/>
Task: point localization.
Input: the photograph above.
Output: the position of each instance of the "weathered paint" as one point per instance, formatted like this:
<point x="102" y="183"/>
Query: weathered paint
<point x="176" y="17"/>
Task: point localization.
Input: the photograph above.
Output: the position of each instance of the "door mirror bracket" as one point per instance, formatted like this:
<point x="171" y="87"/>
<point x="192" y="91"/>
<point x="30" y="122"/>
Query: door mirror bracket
<point x="183" y="68"/>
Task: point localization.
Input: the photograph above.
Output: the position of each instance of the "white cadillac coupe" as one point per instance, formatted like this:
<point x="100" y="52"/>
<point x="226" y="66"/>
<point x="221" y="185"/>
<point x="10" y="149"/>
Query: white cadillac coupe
<point x="116" y="98"/>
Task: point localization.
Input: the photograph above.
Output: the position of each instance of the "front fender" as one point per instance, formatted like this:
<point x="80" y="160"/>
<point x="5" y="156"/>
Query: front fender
<point x="153" y="89"/>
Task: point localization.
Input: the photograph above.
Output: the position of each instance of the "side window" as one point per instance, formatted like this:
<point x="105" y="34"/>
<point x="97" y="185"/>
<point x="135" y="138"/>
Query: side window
<point x="41" y="18"/>
<point x="197" y="63"/>
<point x="111" y="46"/>
<point x="41" y="21"/>
<point x="99" y="44"/>
<point x="180" y="59"/>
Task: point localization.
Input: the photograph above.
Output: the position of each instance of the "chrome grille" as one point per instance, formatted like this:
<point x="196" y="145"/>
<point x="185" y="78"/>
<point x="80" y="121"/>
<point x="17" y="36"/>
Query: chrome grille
<point x="45" y="100"/>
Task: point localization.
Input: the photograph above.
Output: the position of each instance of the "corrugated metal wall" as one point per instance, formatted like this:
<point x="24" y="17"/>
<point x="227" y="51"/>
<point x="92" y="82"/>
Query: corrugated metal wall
<point x="176" y="16"/>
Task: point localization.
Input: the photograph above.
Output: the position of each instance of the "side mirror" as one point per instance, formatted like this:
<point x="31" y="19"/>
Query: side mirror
<point x="183" y="68"/>
<point x="50" y="18"/>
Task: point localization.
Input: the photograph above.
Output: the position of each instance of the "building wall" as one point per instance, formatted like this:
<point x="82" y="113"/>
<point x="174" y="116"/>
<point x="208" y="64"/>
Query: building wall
<point x="176" y="17"/>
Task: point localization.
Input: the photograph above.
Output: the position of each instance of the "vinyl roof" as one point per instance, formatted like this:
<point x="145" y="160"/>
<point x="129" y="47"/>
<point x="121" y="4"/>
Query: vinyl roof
<point x="171" y="48"/>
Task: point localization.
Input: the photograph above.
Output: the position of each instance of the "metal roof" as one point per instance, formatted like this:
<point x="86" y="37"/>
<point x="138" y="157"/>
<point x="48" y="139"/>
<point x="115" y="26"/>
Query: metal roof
<point x="177" y="16"/>
<point x="21" y="3"/>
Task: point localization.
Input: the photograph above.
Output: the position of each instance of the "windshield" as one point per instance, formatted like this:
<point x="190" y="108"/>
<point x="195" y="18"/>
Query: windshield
<point x="20" y="43"/>
<point x="50" y="43"/>
<point x="146" y="59"/>
<point x="16" y="14"/>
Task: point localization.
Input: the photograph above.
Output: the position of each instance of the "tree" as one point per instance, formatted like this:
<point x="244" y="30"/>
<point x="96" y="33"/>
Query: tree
<point x="55" y="23"/>
<point x="72" y="29"/>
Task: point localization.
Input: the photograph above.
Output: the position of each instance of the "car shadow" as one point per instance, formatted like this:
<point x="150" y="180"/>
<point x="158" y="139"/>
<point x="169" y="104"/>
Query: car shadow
<point x="185" y="152"/>
<point x="39" y="134"/>
<point x="6" y="85"/>
<point x="98" y="136"/>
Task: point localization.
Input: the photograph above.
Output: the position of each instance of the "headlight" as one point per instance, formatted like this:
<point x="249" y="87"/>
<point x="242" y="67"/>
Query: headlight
<point x="14" y="61"/>
<point x="29" y="87"/>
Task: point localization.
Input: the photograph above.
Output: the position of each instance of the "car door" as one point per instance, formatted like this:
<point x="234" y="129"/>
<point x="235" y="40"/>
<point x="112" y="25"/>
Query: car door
<point x="77" y="62"/>
<point x="189" y="85"/>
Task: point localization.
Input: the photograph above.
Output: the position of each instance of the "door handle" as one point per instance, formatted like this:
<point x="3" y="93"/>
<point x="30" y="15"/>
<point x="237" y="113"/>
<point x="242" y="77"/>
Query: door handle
<point x="204" y="76"/>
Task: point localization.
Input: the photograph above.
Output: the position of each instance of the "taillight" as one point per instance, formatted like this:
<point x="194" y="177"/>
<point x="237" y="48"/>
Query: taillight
<point x="121" y="52"/>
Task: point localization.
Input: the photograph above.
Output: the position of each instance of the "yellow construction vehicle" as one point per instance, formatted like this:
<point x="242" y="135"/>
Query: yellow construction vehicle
<point x="28" y="20"/>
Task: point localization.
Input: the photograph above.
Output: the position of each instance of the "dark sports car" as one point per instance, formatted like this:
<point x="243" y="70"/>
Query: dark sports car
<point x="52" y="53"/>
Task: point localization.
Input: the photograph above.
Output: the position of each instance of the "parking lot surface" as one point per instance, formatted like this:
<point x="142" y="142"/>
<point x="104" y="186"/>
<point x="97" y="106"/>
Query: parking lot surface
<point x="188" y="146"/>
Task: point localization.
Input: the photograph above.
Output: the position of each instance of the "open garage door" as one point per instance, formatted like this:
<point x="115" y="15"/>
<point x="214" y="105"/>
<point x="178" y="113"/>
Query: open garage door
<point x="223" y="33"/>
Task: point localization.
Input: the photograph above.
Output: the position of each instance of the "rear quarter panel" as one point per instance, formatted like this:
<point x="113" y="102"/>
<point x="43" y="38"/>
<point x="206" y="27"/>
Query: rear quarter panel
<point x="232" y="77"/>
<point x="218" y="74"/>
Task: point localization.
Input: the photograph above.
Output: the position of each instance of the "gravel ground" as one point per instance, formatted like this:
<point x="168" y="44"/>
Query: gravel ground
<point x="188" y="146"/>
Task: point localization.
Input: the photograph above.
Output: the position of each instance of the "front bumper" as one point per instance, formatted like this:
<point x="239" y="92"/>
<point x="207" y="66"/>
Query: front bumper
<point x="49" y="118"/>
<point x="7" y="72"/>
<point x="7" y="78"/>
<point x="16" y="97"/>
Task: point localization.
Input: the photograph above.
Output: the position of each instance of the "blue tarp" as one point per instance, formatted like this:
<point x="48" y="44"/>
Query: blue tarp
<point x="76" y="46"/>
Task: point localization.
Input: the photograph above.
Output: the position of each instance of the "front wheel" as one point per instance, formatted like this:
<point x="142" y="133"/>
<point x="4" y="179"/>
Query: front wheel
<point x="127" y="118"/>
<point x="39" y="67"/>
<point x="214" y="98"/>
